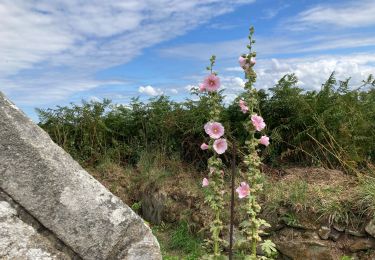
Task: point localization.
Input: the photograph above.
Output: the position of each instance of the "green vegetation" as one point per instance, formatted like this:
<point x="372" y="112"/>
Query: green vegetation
<point x="178" y="242"/>
<point x="333" y="127"/>
<point x="156" y="145"/>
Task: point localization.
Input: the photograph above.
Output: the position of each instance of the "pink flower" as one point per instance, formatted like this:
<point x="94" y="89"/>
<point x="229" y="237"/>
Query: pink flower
<point x="258" y="122"/>
<point x="243" y="106"/>
<point x="205" y="182"/>
<point x="214" y="129"/>
<point x="211" y="82"/>
<point x="243" y="190"/>
<point x="204" y="146"/>
<point x="212" y="170"/>
<point x="242" y="61"/>
<point x="220" y="145"/>
<point x="252" y="61"/>
<point x="265" y="140"/>
<point x="202" y="88"/>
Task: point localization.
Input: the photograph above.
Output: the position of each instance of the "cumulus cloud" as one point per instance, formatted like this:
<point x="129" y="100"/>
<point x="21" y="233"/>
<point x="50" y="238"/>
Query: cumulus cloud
<point x="149" y="90"/>
<point x="313" y="71"/>
<point x="351" y="15"/>
<point x="71" y="40"/>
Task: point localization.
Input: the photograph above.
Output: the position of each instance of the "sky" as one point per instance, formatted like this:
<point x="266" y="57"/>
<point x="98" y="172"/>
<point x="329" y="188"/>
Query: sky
<point x="57" y="52"/>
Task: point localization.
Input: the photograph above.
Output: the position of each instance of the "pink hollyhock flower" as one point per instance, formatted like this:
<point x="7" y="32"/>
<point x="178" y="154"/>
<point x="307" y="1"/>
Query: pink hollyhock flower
<point x="204" y="146"/>
<point x="242" y="61"/>
<point x="243" y="190"/>
<point x="265" y="140"/>
<point x="212" y="170"/>
<point x="220" y="145"/>
<point x="243" y="106"/>
<point x="211" y="82"/>
<point x="252" y="61"/>
<point x="214" y="129"/>
<point x="205" y="182"/>
<point x="258" y="122"/>
<point x="202" y="88"/>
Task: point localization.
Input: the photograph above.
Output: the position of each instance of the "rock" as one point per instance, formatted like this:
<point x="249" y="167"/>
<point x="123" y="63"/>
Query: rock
<point x="153" y="207"/>
<point x="334" y="235"/>
<point x="324" y="232"/>
<point x="305" y="250"/>
<point x="370" y="228"/>
<point x="18" y="240"/>
<point x="63" y="197"/>
<point x="339" y="227"/>
<point x="355" y="233"/>
<point x="295" y="244"/>
<point x="362" y="244"/>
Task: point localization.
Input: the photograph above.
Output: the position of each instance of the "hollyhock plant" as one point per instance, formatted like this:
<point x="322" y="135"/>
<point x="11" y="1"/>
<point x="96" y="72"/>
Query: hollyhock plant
<point x="220" y="145"/>
<point x="214" y="197"/>
<point x="242" y="61"/>
<point x="211" y="83"/>
<point x="204" y="146"/>
<point x="258" y="122"/>
<point x="265" y="140"/>
<point x="252" y="61"/>
<point x="251" y="226"/>
<point x="243" y="106"/>
<point x="243" y="190"/>
<point x="202" y="88"/>
<point x="214" y="129"/>
<point x="205" y="182"/>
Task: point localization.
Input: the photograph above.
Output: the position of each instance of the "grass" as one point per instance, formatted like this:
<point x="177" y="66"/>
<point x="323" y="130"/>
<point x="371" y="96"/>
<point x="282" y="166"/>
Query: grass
<point x="343" y="199"/>
<point x="178" y="241"/>
<point x="366" y="195"/>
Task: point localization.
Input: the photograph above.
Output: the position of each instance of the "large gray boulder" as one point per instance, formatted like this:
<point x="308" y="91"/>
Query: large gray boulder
<point x="63" y="197"/>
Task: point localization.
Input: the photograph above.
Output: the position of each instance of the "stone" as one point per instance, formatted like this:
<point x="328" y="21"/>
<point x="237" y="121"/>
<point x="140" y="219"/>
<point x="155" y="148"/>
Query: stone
<point x="18" y="240"/>
<point x="63" y="197"/>
<point x="339" y="227"/>
<point x="355" y="233"/>
<point x="153" y="207"/>
<point x="362" y="244"/>
<point x="295" y="244"/>
<point x="334" y="235"/>
<point x="370" y="228"/>
<point x="304" y="250"/>
<point x="324" y="232"/>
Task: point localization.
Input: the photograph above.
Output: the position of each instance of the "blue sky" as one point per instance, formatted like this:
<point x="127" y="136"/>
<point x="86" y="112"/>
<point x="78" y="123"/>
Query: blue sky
<point x="56" y="52"/>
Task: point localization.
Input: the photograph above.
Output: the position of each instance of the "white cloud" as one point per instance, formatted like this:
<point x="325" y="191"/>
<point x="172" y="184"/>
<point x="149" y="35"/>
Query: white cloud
<point x="173" y="90"/>
<point x="266" y="46"/>
<point x="351" y="15"/>
<point x="149" y="90"/>
<point x="71" y="40"/>
<point x="314" y="71"/>
<point x="190" y="87"/>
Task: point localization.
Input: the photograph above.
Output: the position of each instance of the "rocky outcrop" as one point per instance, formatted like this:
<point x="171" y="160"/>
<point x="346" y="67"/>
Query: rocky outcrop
<point x="23" y="237"/>
<point x="370" y="228"/>
<point x="64" y="198"/>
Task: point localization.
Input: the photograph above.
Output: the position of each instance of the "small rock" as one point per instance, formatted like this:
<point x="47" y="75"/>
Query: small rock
<point x="355" y="233"/>
<point x="334" y="235"/>
<point x="362" y="244"/>
<point x="338" y="227"/>
<point x="195" y="218"/>
<point x="324" y="232"/>
<point x="370" y="228"/>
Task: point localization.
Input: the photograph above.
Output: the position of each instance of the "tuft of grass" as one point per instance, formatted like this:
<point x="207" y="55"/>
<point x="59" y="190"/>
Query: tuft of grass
<point x="182" y="239"/>
<point x="366" y="195"/>
<point x="336" y="202"/>
<point x="178" y="241"/>
<point x="292" y="194"/>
